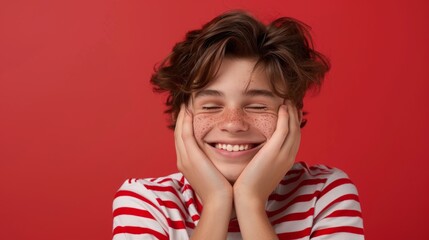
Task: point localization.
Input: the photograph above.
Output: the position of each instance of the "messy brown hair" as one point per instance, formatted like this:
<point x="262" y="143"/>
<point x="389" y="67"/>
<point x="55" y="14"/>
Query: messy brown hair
<point x="283" y="49"/>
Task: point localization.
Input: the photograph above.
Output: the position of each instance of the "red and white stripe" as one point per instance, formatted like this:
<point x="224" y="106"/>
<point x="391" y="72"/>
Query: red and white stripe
<point x="314" y="202"/>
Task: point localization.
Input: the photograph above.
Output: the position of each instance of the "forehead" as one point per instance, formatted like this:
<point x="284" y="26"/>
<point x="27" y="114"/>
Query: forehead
<point x="239" y="74"/>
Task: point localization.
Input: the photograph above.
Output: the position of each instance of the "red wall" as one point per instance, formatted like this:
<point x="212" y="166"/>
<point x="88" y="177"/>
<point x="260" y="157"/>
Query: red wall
<point x="78" y="117"/>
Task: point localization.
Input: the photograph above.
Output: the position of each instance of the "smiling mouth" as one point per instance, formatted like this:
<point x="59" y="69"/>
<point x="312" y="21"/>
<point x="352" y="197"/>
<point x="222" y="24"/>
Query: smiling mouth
<point x="234" y="147"/>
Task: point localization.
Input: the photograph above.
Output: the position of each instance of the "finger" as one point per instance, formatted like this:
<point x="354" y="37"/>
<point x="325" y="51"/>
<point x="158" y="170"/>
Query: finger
<point x="294" y="122"/>
<point x="190" y="106"/>
<point x="271" y="149"/>
<point x="282" y="129"/>
<point x="180" y="148"/>
<point x="179" y="122"/>
<point x="189" y="139"/>
<point x="291" y="144"/>
<point x="196" y="160"/>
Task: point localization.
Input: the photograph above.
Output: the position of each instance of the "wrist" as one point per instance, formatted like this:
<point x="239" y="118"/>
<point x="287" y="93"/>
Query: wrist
<point x="249" y="205"/>
<point x="218" y="197"/>
<point x="253" y="220"/>
<point x="214" y="220"/>
<point x="246" y="198"/>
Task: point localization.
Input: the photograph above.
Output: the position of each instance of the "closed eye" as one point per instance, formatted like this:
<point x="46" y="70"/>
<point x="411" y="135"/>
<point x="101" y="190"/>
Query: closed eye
<point x="211" y="107"/>
<point x="257" y="107"/>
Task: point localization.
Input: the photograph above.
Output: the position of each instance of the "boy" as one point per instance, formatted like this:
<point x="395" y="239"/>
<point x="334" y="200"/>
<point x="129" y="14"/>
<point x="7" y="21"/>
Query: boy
<point x="236" y="91"/>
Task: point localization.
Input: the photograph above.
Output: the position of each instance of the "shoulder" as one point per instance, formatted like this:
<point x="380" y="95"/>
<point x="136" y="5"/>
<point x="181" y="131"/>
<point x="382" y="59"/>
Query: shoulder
<point x="337" y="210"/>
<point x="150" y="193"/>
<point x="139" y="185"/>
<point x="316" y="170"/>
<point x="326" y="177"/>
<point x="327" y="186"/>
<point x="150" y="189"/>
<point x="330" y="196"/>
<point x="314" y="183"/>
<point x="335" y="181"/>
<point x="143" y="205"/>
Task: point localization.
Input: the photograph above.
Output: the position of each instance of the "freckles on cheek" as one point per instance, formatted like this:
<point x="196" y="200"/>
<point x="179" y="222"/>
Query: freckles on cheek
<point x="202" y="124"/>
<point x="266" y="123"/>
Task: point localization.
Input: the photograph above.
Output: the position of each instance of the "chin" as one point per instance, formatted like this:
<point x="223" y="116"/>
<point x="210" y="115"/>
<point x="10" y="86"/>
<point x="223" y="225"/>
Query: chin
<point x="232" y="173"/>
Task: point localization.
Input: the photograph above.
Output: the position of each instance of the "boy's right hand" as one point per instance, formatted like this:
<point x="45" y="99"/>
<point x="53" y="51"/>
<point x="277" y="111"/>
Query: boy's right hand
<point x="210" y="185"/>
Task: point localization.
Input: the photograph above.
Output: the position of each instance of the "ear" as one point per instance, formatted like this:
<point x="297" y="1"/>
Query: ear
<point x="302" y="120"/>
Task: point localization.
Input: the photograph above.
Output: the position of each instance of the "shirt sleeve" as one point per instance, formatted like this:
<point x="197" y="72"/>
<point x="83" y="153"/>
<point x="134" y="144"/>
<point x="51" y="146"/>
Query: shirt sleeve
<point x="136" y="213"/>
<point x="338" y="211"/>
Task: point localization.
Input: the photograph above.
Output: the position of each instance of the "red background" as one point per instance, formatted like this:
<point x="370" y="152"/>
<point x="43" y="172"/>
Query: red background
<point x="78" y="116"/>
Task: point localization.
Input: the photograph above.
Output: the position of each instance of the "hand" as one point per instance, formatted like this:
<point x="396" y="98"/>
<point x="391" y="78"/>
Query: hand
<point x="209" y="184"/>
<point x="273" y="161"/>
<point x="264" y="172"/>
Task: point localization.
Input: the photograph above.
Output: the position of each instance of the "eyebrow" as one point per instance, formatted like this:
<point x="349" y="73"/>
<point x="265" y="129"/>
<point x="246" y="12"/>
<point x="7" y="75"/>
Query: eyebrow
<point x="209" y="92"/>
<point x="259" y="92"/>
<point x="249" y="93"/>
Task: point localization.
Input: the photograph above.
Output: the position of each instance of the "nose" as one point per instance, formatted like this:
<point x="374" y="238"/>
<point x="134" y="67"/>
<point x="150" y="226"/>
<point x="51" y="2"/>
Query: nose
<point x="234" y="121"/>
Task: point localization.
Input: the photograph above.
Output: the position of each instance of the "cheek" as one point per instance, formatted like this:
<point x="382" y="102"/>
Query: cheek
<point x="265" y="123"/>
<point x="202" y="124"/>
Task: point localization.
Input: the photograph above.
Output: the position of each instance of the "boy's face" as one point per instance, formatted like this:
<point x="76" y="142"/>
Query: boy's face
<point x="233" y="118"/>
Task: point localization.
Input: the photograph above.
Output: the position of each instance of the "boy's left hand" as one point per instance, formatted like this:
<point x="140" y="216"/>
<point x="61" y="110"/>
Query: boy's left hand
<point x="264" y="172"/>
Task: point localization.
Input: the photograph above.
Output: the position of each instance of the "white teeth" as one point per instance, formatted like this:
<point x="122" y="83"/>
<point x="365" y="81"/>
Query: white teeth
<point x="231" y="148"/>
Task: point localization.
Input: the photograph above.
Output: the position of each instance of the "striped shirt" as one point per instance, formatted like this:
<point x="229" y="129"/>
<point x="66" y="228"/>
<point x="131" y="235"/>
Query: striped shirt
<point x="316" y="202"/>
